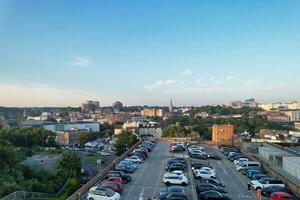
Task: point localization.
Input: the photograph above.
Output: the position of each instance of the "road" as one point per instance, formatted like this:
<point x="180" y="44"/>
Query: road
<point x="147" y="181"/>
<point x="235" y="182"/>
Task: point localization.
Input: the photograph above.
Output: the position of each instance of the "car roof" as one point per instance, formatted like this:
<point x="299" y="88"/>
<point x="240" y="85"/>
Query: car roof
<point x="167" y="175"/>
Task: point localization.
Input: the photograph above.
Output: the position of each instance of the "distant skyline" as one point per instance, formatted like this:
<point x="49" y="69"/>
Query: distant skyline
<point x="63" y="52"/>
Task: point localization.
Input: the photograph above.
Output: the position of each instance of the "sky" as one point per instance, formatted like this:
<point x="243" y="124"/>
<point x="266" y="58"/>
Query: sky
<point x="140" y="52"/>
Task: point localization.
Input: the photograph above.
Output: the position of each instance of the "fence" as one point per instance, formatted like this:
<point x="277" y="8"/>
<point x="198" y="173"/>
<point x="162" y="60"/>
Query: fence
<point x="85" y="188"/>
<point x="23" y="195"/>
<point x="251" y="151"/>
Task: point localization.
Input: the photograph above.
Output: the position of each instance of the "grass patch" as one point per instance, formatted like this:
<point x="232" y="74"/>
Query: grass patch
<point x="93" y="158"/>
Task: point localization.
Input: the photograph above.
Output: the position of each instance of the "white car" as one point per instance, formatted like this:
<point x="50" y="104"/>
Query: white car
<point x="196" y="149"/>
<point x="178" y="172"/>
<point x="240" y="160"/>
<point x="103" y="153"/>
<point x="175" y="179"/>
<point x="203" y="174"/>
<point x="265" y="182"/>
<point x="134" y="159"/>
<point x="102" y="193"/>
<point x="212" y="171"/>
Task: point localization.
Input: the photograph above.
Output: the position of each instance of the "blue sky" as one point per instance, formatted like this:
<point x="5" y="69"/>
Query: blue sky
<point x="61" y="52"/>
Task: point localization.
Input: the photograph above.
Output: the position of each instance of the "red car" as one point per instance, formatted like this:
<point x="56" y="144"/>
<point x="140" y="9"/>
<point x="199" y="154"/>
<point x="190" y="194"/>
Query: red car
<point x="114" y="179"/>
<point x="115" y="186"/>
<point x="172" y="144"/>
<point x="282" y="196"/>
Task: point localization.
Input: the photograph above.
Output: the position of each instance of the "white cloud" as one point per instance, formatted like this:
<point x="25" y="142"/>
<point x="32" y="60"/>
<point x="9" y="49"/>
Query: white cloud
<point x="43" y="95"/>
<point x="228" y="78"/>
<point x="212" y="78"/>
<point x="80" y="61"/>
<point x="186" y="72"/>
<point x="253" y="82"/>
<point x="160" y="84"/>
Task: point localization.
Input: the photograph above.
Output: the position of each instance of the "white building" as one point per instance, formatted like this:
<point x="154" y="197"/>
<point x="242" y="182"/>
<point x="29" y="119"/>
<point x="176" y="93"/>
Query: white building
<point x="88" y="126"/>
<point x="150" y="130"/>
<point x="294" y="115"/>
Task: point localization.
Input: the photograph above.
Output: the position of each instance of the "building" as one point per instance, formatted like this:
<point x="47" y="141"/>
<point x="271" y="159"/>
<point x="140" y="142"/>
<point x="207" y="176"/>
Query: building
<point x="89" y="106"/>
<point x="152" y="112"/>
<point x="117" y="106"/>
<point x="272" y="106"/>
<point x="202" y="114"/>
<point x="150" y="130"/>
<point x="118" y="118"/>
<point x="293" y="105"/>
<point x="297" y="125"/>
<point x="250" y="103"/>
<point x="67" y="137"/>
<point x="277" y="116"/>
<point x="237" y="104"/>
<point x="79" y="126"/>
<point x="222" y="134"/>
<point x="294" y="115"/>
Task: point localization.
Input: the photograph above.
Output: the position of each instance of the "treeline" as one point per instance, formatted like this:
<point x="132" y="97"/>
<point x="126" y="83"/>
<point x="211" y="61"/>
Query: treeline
<point x="184" y="126"/>
<point x="15" y="146"/>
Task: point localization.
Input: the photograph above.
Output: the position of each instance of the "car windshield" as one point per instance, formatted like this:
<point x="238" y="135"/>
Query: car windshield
<point x="109" y="192"/>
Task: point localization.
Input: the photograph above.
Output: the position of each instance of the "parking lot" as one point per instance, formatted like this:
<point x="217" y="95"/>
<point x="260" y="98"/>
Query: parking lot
<point x="147" y="181"/>
<point x="235" y="182"/>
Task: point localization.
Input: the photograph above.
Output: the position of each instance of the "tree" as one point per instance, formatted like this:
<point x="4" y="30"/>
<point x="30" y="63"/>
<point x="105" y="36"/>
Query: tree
<point x="125" y="140"/>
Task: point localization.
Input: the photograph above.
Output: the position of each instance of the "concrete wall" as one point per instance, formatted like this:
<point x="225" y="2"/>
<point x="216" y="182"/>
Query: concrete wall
<point x="291" y="165"/>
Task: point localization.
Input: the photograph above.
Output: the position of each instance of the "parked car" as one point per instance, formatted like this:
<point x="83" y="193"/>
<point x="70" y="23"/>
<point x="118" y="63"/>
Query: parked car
<point x="134" y="159"/>
<point x="115" y="179"/>
<point x="258" y="176"/>
<point x="177" y="196"/>
<point x="203" y="174"/>
<point x="212" y="181"/>
<point x="164" y="192"/>
<point x="213" y="156"/>
<point x="283" y="196"/>
<point x="252" y="172"/>
<point x="247" y="165"/>
<point x="198" y="155"/>
<point x="202" y="187"/>
<point x="177" y="149"/>
<point x="126" y="178"/>
<point x="115" y="186"/>
<point x="265" y="182"/>
<point x="174" y="179"/>
<point x="102" y="193"/>
<point x="175" y="166"/>
<point x="213" y="195"/>
<point x="179" y="159"/>
<point x="239" y="160"/>
<point x="270" y="190"/>
<point x="124" y="168"/>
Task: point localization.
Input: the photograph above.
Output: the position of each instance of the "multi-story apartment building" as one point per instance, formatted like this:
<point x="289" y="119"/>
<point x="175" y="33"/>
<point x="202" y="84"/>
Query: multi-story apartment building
<point x="276" y="116"/>
<point x="118" y="118"/>
<point x="152" y="112"/>
<point x="89" y="106"/>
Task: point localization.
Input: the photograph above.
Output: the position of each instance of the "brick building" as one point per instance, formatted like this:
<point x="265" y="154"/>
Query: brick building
<point x="222" y="134"/>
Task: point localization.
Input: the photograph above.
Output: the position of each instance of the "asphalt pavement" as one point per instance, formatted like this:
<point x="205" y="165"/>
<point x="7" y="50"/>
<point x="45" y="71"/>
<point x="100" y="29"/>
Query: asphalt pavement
<point x="147" y="180"/>
<point x="235" y="182"/>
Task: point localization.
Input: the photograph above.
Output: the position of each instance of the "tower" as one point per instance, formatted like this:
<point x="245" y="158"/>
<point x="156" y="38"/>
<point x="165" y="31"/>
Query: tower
<point x="171" y="108"/>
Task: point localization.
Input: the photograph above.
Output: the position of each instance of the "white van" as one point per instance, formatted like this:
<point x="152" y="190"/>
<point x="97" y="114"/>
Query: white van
<point x="246" y="165"/>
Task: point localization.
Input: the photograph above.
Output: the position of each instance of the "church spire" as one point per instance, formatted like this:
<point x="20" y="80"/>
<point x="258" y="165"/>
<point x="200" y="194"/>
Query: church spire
<point x="171" y="108"/>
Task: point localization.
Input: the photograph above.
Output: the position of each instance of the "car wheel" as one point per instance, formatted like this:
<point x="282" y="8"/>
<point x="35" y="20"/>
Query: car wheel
<point x="258" y="188"/>
<point x="184" y="184"/>
<point x="91" y="198"/>
<point x="167" y="183"/>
